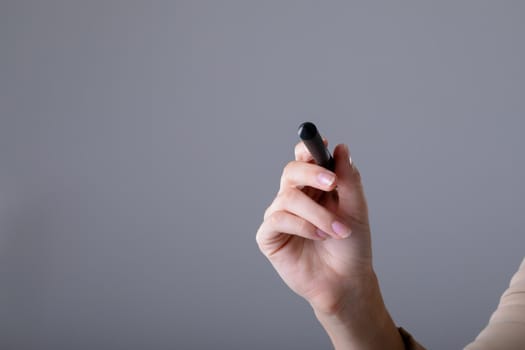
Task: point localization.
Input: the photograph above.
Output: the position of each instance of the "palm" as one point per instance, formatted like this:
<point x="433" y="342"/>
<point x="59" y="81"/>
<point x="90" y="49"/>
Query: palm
<point x="316" y="269"/>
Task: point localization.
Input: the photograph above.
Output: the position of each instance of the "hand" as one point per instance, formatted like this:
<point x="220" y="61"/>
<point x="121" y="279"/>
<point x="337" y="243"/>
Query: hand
<point x="316" y="234"/>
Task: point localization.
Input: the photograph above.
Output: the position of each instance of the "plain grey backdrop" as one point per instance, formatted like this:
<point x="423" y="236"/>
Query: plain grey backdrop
<point x="141" y="141"/>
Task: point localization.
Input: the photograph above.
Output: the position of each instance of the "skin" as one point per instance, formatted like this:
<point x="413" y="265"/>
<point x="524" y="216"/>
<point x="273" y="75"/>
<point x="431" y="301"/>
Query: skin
<point x="316" y="234"/>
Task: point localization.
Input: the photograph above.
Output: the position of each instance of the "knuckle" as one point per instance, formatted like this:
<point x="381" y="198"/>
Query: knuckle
<point x="285" y="176"/>
<point x="259" y="239"/>
<point x="261" y="236"/>
<point x="260" y="244"/>
<point x="277" y="217"/>
<point x="288" y="195"/>
<point x="269" y="210"/>
<point x="288" y="168"/>
<point x="266" y="213"/>
<point x="282" y="180"/>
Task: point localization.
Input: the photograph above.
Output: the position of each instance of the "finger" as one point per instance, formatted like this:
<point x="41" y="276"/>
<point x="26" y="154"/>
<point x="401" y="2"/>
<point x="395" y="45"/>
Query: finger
<point x="349" y="185"/>
<point x="300" y="204"/>
<point x="279" y="226"/>
<point x="303" y="154"/>
<point x="300" y="174"/>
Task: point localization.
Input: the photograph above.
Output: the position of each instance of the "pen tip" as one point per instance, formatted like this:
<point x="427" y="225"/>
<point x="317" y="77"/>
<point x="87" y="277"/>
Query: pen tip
<point x="307" y="131"/>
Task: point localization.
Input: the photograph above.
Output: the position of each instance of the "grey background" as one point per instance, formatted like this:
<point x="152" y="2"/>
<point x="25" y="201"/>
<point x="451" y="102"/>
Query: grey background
<point x="140" y="143"/>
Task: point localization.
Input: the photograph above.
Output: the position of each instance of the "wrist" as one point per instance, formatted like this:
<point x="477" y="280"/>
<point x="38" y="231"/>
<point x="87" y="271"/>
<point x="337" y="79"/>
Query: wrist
<point x="361" y="321"/>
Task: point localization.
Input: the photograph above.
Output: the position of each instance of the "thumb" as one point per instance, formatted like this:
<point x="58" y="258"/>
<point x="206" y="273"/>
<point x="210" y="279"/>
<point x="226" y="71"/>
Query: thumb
<point x="349" y="186"/>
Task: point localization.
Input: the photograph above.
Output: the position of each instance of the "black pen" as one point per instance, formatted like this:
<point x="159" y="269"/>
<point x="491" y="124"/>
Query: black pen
<point x="314" y="143"/>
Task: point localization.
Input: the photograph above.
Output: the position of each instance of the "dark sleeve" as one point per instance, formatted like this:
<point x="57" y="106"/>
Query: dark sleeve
<point x="408" y="340"/>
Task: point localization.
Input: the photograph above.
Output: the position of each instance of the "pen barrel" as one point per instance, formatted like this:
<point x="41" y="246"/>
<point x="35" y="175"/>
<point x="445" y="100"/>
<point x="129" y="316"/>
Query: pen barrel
<point x="320" y="154"/>
<point x="313" y="141"/>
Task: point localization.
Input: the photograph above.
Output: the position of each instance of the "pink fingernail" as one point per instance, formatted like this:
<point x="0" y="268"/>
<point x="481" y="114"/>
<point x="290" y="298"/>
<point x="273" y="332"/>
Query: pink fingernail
<point x="326" y="179"/>
<point x="322" y="234"/>
<point x="340" y="229"/>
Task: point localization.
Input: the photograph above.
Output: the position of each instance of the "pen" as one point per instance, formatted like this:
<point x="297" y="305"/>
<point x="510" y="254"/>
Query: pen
<point x="314" y="143"/>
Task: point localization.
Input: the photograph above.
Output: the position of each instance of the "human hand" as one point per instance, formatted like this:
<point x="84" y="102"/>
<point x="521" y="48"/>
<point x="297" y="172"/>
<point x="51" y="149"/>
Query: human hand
<point x="316" y="234"/>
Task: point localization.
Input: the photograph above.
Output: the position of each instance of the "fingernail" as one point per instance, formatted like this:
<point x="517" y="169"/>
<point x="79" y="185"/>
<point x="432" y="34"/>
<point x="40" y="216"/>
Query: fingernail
<point x="326" y="179"/>
<point x="322" y="234"/>
<point x="340" y="229"/>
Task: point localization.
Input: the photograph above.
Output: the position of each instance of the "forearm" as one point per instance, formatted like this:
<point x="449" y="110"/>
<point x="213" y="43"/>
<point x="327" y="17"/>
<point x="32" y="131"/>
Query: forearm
<point x="364" y="322"/>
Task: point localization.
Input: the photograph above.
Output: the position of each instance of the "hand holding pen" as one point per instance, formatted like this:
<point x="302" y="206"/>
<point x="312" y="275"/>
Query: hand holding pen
<point x="316" y="234"/>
